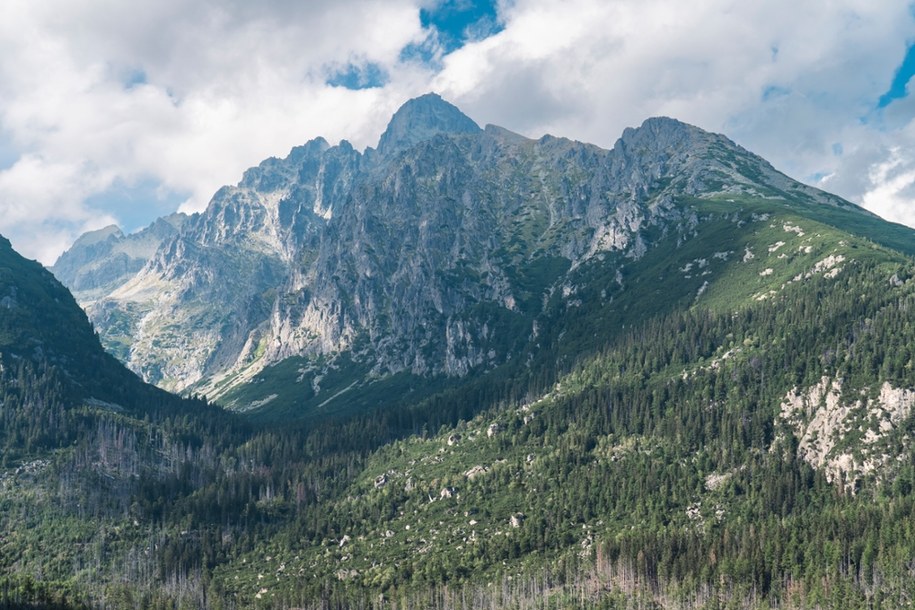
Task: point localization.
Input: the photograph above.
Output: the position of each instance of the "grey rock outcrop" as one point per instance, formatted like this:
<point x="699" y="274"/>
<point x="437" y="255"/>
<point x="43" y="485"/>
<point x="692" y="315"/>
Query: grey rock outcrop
<point x="424" y="256"/>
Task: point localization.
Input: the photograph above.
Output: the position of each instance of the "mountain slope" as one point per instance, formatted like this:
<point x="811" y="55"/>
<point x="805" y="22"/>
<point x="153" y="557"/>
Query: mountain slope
<point x="761" y="455"/>
<point x="326" y="276"/>
<point x="82" y="442"/>
<point x="538" y="374"/>
<point x="43" y="325"/>
<point x="758" y="453"/>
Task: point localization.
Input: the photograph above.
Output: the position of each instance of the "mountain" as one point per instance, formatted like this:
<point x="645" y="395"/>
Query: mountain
<point x="326" y="276"/>
<point x="43" y="327"/>
<point x="103" y="259"/>
<point x="508" y="373"/>
<point x="421" y="119"/>
<point x="83" y="442"/>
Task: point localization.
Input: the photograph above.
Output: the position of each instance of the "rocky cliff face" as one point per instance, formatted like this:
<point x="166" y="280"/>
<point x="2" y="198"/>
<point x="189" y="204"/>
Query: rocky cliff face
<point x="101" y="260"/>
<point x="433" y="254"/>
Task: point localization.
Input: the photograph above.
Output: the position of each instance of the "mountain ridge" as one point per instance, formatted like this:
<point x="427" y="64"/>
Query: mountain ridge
<point x="678" y="379"/>
<point x="381" y="257"/>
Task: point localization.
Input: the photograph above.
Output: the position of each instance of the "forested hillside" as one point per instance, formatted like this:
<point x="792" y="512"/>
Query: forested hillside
<point x="712" y="409"/>
<point x="659" y="469"/>
<point x="663" y="469"/>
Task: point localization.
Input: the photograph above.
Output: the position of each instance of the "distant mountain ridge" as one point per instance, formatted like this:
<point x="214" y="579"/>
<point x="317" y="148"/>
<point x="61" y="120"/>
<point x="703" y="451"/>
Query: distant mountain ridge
<point x="100" y="260"/>
<point x="435" y="255"/>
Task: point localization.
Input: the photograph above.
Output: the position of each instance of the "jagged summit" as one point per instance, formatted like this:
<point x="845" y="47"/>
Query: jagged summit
<point x="420" y="119"/>
<point x="99" y="235"/>
<point x="660" y="124"/>
<point x="665" y="133"/>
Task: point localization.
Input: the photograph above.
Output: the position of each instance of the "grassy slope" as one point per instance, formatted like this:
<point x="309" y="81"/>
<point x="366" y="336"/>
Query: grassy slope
<point x="399" y="519"/>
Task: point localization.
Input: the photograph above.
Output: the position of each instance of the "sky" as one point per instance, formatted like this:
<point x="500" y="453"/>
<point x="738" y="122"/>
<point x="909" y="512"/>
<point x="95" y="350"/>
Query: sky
<point x="121" y="111"/>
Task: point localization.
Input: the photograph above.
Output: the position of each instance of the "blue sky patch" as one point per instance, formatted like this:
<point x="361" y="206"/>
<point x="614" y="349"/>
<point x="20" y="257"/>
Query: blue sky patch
<point x="359" y="76"/>
<point x="8" y="153"/>
<point x="903" y="73"/>
<point x="425" y="52"/>
<point x="136" y="206"/>
<point x="134" y="77"/>
<point x="461" y="21"/>
<point x="451" y="25"/>
<point x="774" y="92"/>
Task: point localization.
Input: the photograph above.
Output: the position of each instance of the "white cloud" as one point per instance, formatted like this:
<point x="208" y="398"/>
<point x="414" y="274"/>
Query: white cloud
<point x="44" y="201"/>
<point x="190" y="94"/>
<point x="796" y="81"/>
<point x="891" y="187"/>
<point x="611" y="64"/>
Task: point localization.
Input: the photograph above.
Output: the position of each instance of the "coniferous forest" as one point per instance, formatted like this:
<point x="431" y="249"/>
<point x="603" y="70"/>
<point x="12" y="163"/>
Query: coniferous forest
<point x="670" y="377"/>
<point x="669" y="460"/>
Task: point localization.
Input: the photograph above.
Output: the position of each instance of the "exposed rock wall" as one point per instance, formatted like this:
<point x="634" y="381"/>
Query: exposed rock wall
<point x="419" y="256"/>
<point x="846" y="436"/>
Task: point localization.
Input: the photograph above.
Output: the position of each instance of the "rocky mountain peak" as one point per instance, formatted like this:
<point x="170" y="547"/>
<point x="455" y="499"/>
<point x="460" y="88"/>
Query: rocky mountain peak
<point x="422" y="118"/>
<point x="91" y="238"/>
<point x="273" y="172"/>
<point x="662" y="134"/>
<point x="102" y="259"/>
